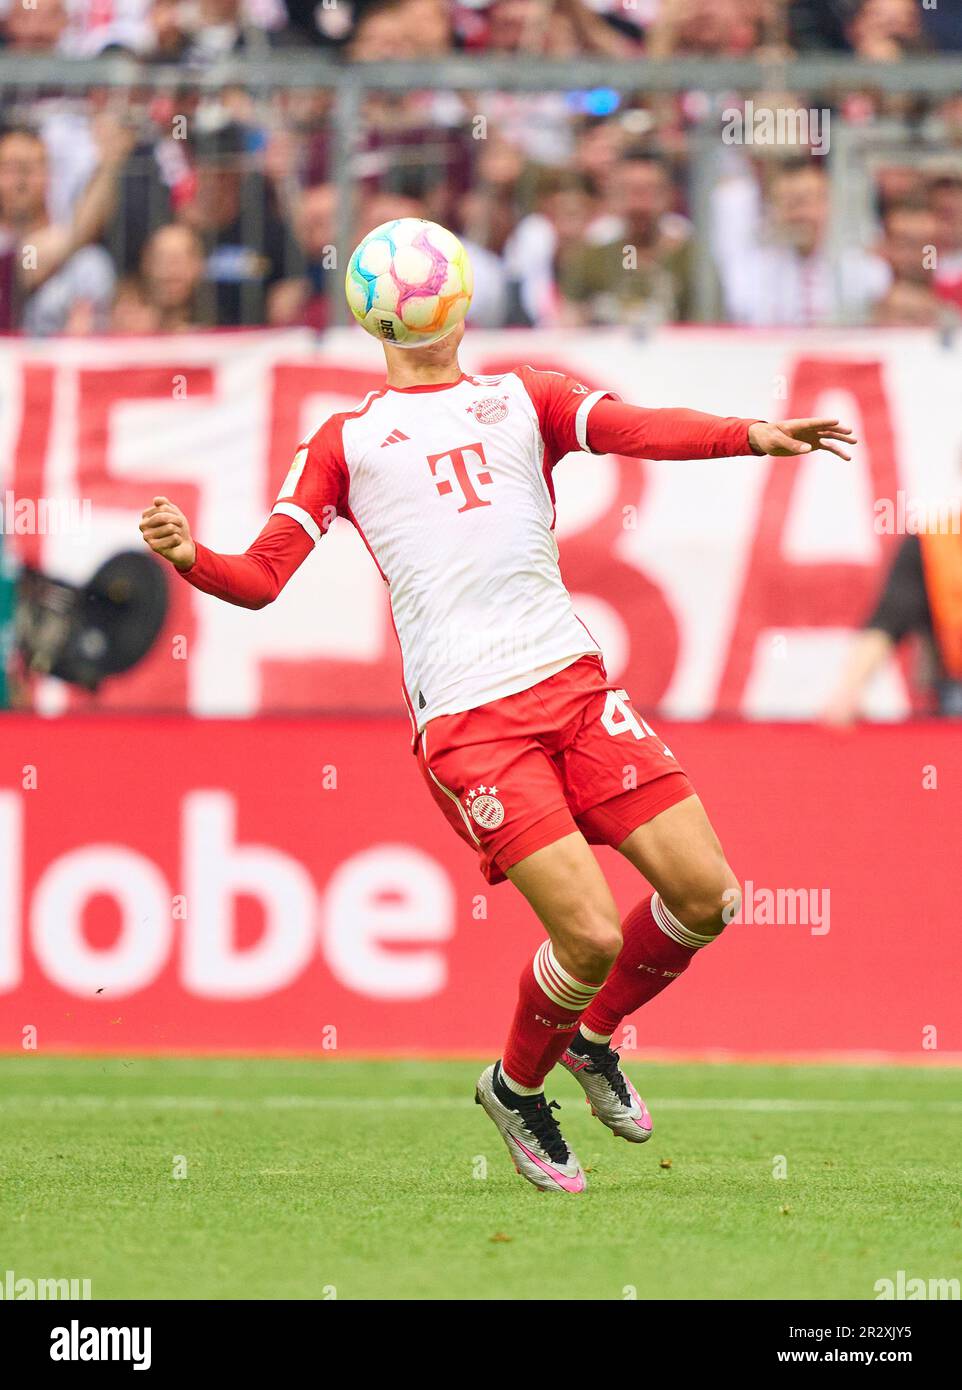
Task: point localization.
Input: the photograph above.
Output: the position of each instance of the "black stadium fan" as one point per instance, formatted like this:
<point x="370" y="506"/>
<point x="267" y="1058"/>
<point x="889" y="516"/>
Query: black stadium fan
<point x="85" y="633"/>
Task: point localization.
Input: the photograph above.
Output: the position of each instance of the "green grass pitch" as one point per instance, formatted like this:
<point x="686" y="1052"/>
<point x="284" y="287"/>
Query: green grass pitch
<point x="381" y="1180"/>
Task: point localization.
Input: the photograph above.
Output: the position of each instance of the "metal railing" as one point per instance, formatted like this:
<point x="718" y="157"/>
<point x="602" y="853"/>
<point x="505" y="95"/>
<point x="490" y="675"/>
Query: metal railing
<point x="938" y="75"/>
<point x="822" y="79"/>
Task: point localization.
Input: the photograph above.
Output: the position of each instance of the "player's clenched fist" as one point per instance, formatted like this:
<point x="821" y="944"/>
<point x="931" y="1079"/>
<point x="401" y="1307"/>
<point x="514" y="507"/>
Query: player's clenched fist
<point x="164" y="528"/>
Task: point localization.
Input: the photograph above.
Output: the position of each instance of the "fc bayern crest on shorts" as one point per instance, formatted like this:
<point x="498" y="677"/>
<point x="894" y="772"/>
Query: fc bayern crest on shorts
<point x="486" y="810"/>
<point x="490" y="410"/>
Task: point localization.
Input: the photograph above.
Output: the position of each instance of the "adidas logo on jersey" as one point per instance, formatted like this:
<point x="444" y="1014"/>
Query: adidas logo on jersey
<point x="394" y="437"/>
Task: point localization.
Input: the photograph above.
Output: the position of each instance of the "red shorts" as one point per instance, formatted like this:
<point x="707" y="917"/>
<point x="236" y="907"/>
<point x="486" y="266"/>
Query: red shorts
<point x="567" y="754"/>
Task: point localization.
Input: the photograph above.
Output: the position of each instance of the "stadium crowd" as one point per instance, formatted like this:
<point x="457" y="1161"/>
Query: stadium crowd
<point x="166" y="207"/>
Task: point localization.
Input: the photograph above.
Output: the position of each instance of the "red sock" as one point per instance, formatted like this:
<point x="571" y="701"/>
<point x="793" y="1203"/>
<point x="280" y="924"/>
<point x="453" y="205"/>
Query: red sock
<point x="550" y="1005"/>
<point x="657" y="949"/>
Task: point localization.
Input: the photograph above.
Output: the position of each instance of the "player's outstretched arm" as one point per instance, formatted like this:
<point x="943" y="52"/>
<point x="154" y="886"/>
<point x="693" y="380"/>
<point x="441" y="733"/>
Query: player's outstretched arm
<point x="617" y="428"/>
<point x="251" y="580"/>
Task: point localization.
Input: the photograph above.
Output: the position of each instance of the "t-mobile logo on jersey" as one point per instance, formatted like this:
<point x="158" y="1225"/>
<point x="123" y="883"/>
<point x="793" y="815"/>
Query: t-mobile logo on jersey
<point x="458" y="459"/>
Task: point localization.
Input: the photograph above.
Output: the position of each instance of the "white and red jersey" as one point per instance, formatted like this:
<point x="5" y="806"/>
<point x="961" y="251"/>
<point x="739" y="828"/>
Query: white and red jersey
<point x="450" y="487"/>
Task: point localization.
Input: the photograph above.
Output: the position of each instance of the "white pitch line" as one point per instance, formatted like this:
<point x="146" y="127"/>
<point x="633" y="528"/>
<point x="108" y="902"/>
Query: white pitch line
<point x="213" y="1103"/>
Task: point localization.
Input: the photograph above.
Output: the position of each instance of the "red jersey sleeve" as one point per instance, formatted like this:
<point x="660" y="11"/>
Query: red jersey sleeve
<point x="255" y="578"/>
<point x="316" y="487"/>
<point x="562" y="404"/>
<point x="616" y="428"/>
<point x="311" y="496"/>
<point x="573" y="417"/>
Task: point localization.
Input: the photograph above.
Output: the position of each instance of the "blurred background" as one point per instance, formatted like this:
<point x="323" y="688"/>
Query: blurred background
<point x="751" y="207"/>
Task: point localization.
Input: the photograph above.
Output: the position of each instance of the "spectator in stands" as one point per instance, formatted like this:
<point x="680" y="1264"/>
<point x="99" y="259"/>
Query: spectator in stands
<point x="39" y="27"/>
<point x="908" y="305"/>
<point x="388" y="30"/>
<point x="95" y="27"/>
<point x="430" y="22"/>
<point x="908" y="245"/>
<point x="491" y="302"/>
<point x="922" y="598"/>
<point x="908" y="242"/>
<point x="537" y="249"/>
<point x="886" y="30"/>
<point x="946" y="202"/>
<point x="819" y="24"/>
<point x="898" y="182"/>
<point x="599" y="149"/>
<point x="306" y="298"/>
<point x="233" y="212"/>
<point x="173" y="273"/>
<point x="215" y="29"/>
<point x="566" y="28"/>
<point x="505" y="184"/>
<point x="36" y="30"/>
<point x="326" y="25"/>
<point x="722" y="28"/>
<point x="58" y="271"/>
<point x="773" y="259"/>
<point x="166" y="39"/>
<point x="539" y="123"/>
<point x="377" y="206"/>
<point x="132" y="313"/>
<point x="640" y="268"/>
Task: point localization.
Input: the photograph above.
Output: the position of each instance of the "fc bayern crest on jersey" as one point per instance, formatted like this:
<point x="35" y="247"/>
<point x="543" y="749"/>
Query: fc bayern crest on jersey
<point x="486" y="810"/>
<point x="490" y="410"/>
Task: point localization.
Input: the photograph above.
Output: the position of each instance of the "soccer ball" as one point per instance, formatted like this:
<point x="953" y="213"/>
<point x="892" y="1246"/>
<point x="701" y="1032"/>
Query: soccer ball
<point x="409" y="282"/>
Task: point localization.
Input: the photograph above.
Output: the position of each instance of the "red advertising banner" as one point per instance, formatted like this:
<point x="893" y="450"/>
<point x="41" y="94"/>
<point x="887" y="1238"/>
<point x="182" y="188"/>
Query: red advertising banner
<point x="287" y="883"/>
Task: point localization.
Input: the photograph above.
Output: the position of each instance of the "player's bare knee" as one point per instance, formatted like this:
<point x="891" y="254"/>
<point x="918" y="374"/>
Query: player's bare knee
<point x="592" y="945"/>
<point x="710" y="904"/>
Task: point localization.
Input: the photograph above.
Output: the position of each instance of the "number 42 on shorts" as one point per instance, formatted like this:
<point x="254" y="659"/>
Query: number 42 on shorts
<point x="618" y="716"/>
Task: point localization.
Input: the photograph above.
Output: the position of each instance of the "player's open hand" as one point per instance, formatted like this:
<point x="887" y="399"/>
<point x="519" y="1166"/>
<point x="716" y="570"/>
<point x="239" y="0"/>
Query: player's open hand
<point x="164" y="528"/>
<point x="782" y="438"/>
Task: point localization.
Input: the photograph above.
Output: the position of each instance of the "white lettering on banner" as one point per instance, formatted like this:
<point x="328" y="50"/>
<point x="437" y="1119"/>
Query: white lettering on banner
<point x="217" y="871"/>
<point x="143" y="944"/>
<point x="11" y="890"/>
<point x="377" y="899"/>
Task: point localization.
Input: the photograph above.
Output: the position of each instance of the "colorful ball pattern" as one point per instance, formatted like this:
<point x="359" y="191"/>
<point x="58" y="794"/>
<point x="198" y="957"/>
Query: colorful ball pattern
<point x="409" y="282"/>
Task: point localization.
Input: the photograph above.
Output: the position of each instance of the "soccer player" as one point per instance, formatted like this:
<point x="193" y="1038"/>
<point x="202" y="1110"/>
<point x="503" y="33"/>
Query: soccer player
<point x="521" y="737"/>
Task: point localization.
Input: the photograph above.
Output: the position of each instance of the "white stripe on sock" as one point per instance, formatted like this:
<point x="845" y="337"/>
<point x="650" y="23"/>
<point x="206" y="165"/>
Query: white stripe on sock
<point x="598" y="1038"/>
<point x="671" y="926"/>
<point x="560" y="987"/>
<point x="516" y="1086"/>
